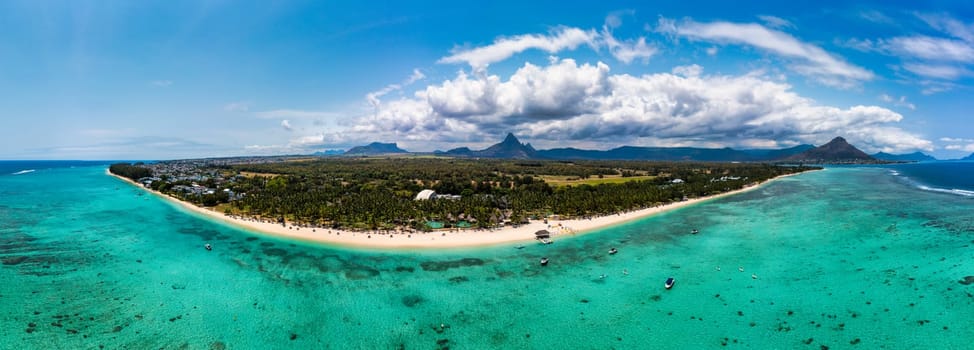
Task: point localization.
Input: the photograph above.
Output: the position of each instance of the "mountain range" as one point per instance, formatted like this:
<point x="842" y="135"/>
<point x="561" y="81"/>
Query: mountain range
<point x="909" y="157"/>
<point x="836" y="151"/>
<point x="374" y="149"/>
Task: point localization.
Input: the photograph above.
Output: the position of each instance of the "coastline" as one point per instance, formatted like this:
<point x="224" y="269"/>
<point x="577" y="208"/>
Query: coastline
<point x="440" y="239"/>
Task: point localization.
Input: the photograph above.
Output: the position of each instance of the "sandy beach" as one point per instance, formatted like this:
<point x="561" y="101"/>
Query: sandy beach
<point x="559" y="229"/>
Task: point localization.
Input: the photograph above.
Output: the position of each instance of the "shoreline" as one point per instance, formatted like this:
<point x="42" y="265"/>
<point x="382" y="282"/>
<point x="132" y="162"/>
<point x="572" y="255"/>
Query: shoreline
<point x="455" y="238"/>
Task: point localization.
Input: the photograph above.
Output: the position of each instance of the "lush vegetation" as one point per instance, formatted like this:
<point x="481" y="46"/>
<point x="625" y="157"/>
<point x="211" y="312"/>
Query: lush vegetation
<point x="131" y="171"/>
<point x="379" y="193"/>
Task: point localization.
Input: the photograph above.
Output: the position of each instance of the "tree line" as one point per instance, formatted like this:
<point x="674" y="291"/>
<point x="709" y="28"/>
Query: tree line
<point x="378" y="193"/>
<point x="132" y="171"/>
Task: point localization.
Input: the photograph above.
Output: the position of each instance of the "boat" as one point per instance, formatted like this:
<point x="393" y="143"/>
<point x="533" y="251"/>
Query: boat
<point x="544" y="261"/>
<point x="669" y="282"/>
<point x="694" y="231"/>
<point x="545" y="241"/>
<point x="208" y="246"/>
<point x="613" y="251"/>
<point x="519" y="247"/>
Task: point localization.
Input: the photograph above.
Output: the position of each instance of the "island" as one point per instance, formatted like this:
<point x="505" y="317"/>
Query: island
<point x="430" y="201"/>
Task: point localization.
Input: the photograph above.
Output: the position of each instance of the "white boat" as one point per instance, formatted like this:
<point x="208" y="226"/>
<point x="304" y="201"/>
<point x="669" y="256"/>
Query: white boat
<point x="669" y="282"/>
<point x="613" y="251"/>
<point x="544" y="261"/>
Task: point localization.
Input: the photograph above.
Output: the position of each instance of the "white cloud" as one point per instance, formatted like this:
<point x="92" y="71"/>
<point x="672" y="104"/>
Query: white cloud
<point x="966" y="148"/>
<point x="373" y="97"/>
<point x="628" y="50"/>
<point x="239" y="106"/>
<point x="930" y="87"/>
<point x="939" y="59"/>
<point x="286" y="125"/>
<point x="776" y="22"/>
<point x="558" y="39"/>
<point x="692" y="70"/>
<point x="928" y="48"/>
<point x="899" y="102"/>
<point x="161" y="83"/>
<point x="308" y="140"/>
<point x="938" y="71"/>
<point x="876" y="17"/>
<point x="711" y="51"/>
<point x="295" y="114"/>
<point x="807" y="59"/>
<point x="585" y="103"/>
<point x="958" y="144"/>
<point x="950" y="26"/>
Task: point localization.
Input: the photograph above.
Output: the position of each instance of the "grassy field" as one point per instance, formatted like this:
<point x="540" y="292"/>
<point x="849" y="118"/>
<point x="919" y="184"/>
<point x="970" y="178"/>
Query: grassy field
<point x="253" y="174"/>
<point x="558" y="181"/>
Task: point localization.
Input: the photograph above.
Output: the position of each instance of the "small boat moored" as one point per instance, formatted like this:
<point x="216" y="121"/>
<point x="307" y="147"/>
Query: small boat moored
<point x="612" y="251"/>
<point x="669" y="282"/>
<point x="694" y="231"/>
<point x="208" y="246"/>
<point x="544" y="261"/>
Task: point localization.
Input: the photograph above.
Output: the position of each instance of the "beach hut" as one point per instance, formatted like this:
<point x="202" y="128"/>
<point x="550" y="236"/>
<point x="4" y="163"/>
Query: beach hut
<point x="542" y="234"/>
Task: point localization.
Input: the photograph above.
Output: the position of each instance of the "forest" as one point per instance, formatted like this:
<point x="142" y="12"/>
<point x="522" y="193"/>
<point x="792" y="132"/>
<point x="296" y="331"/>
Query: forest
<point x="378" y="193"/>
<point x="132" y="171"/>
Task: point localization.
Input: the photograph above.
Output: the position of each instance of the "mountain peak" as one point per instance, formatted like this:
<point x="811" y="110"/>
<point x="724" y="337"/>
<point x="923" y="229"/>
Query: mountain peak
<point x="511" y="147"/>
<point x="838" y="140"/>
<point x="836" y="151"/>
<point x="511" y="139"/>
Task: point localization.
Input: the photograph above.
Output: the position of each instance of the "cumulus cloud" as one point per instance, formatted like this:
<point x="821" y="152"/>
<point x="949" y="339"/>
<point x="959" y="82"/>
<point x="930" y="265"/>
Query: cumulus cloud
<point x="558" y="39"/>
<point x="692" y="70"/>
<point x="286" y="125"/>
<point x="805" y="58"/>
<point x="568" y="101"/>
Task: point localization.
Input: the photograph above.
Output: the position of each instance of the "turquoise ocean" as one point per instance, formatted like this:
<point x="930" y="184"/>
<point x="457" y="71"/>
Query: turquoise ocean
<point x="846" y="258"/>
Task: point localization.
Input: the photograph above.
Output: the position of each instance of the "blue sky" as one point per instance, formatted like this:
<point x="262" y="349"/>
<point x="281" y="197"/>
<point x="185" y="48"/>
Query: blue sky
<point x="180" y="79"/>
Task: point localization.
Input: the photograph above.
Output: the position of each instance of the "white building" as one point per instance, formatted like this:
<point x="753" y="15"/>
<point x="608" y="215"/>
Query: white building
<point x="425" y="195"/>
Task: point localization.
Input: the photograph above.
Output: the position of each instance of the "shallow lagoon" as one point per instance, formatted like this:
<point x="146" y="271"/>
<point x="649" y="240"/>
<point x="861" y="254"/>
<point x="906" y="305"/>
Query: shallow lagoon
<point x="844" y="258"/>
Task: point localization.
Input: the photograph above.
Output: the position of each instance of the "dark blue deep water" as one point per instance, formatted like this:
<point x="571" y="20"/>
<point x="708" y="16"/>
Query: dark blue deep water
<point x="21" y="167"/>
<point x="952" y="177"/>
